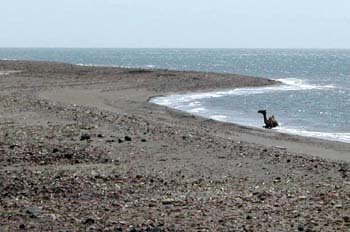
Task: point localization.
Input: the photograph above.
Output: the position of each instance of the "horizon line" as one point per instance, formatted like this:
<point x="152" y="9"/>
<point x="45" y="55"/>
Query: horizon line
<point x="102" y="47"/>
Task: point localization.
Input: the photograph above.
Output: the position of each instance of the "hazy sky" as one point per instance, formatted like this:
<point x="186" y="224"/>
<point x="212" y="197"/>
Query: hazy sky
<point x="175" y="23"/>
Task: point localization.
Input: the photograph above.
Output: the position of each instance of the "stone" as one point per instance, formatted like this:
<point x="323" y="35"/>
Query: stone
<point x="127" y="138"/>
<point x="153" y="229"/>
<point x="33" y="212"/>
<point x="88" y="221"/>
<point x="68" y="156"/>
<point x="85" y="136"/>
<point x="168" y="201"/>
<point x="13" y="146"/>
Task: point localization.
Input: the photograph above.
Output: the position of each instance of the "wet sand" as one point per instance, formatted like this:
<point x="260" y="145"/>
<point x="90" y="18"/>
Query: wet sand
<point x="81" y="148"/>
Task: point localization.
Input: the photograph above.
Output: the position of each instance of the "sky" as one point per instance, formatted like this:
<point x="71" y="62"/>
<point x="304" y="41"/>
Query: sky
<point x="175" y="23"/>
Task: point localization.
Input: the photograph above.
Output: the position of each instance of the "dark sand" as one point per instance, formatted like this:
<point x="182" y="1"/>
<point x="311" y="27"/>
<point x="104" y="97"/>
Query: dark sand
<point x="81" y="149"/>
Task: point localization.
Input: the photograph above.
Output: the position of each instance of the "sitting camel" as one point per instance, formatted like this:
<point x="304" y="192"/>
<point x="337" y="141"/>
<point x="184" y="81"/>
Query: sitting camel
<point x="269" y="123"/>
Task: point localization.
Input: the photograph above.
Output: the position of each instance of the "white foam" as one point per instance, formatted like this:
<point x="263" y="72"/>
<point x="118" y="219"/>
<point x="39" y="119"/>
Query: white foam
<point x="288" y="84"/>
<point x="191" y="104"/>
<point x="298" y="84"/>
<point x="7" y="72"/>
<point x="219" y="117"/>
<point x="195" y="103"/>
<point x="197" y="110"/>
<point x="7" y="59"/>
<point x="343" y="136"/>
<point x="86" y="65"/>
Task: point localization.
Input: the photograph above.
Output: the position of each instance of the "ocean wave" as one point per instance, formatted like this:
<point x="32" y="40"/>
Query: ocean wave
<point x="334" y="136"/>
<point x="4" y="73"/>
<point x="197" y="110"/>
<point x="219" y="117"/>
<point x="298" y="84"/>
<point x="194" y="104"/>
<point x="7" y="59"/>
<point x="288" y="84"/>
<point x="86" y="65"/>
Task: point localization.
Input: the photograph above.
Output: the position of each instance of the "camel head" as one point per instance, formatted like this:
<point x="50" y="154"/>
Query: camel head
<point x="262" y="112"/>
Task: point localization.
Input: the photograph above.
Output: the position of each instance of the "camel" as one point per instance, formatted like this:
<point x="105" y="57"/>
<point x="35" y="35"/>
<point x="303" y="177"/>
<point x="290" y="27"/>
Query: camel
<point x="269" y="123"/>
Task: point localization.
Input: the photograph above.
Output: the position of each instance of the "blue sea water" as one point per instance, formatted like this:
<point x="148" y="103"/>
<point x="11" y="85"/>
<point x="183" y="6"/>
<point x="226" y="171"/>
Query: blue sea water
<point x="313" y="99"/>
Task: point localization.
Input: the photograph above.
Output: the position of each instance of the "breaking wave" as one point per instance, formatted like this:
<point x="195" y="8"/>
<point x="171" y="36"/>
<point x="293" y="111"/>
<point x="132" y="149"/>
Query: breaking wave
<point x="191" y="103"/>
<point x="287" y="84"/>
<point x="343" y="137"/>
<point x="298" y="84"/>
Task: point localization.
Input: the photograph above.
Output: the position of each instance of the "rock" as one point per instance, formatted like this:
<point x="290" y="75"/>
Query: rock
<point x="85" y="136"/>
<point x="22" y="227"/>
<point x="151" y="205"/>
<point x="13" y="146"/>
<point x="262" y="196"/>
<point x="33" y="212"/>
<point x="117" y="187"/>
<point x="143" y="140"/>
<point x="127" y="138"/>
<point x="120" y="141"/>
<point x="248" y="217"/>
<point x="168" y="201"/>
<point x="346" y="219"/>
<point x="88" y="221"/>
<point x="300" y="228"/>
<point x="153" y="229"/>
<point x="68" y="156"/>
<point x="100" y="136"/>
<point x="55" y="150"/>
<point x="110" y="141"/>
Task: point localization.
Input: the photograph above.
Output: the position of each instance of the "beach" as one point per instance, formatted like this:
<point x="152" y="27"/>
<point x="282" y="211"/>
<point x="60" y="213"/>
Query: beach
<point x="83" y="149"/>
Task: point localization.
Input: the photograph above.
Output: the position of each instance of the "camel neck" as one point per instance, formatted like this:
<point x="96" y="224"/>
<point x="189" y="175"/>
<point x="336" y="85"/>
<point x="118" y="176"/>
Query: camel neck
<point x="265" y="118"/>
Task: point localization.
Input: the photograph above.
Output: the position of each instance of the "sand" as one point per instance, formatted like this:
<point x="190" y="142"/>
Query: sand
<point x="81" y="148"/>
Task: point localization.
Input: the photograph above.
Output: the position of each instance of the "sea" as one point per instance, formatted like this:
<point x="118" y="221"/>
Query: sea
<point x="312" y="99"/>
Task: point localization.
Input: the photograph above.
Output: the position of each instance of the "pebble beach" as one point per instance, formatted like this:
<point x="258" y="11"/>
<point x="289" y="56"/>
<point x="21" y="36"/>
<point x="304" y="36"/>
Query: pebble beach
<point x="83" y="149"/>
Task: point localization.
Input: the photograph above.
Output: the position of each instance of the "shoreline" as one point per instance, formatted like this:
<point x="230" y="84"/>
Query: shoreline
<point x="81" y="148"/>
<point x="298" y="144"/>
<point x="327" y="136"/>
